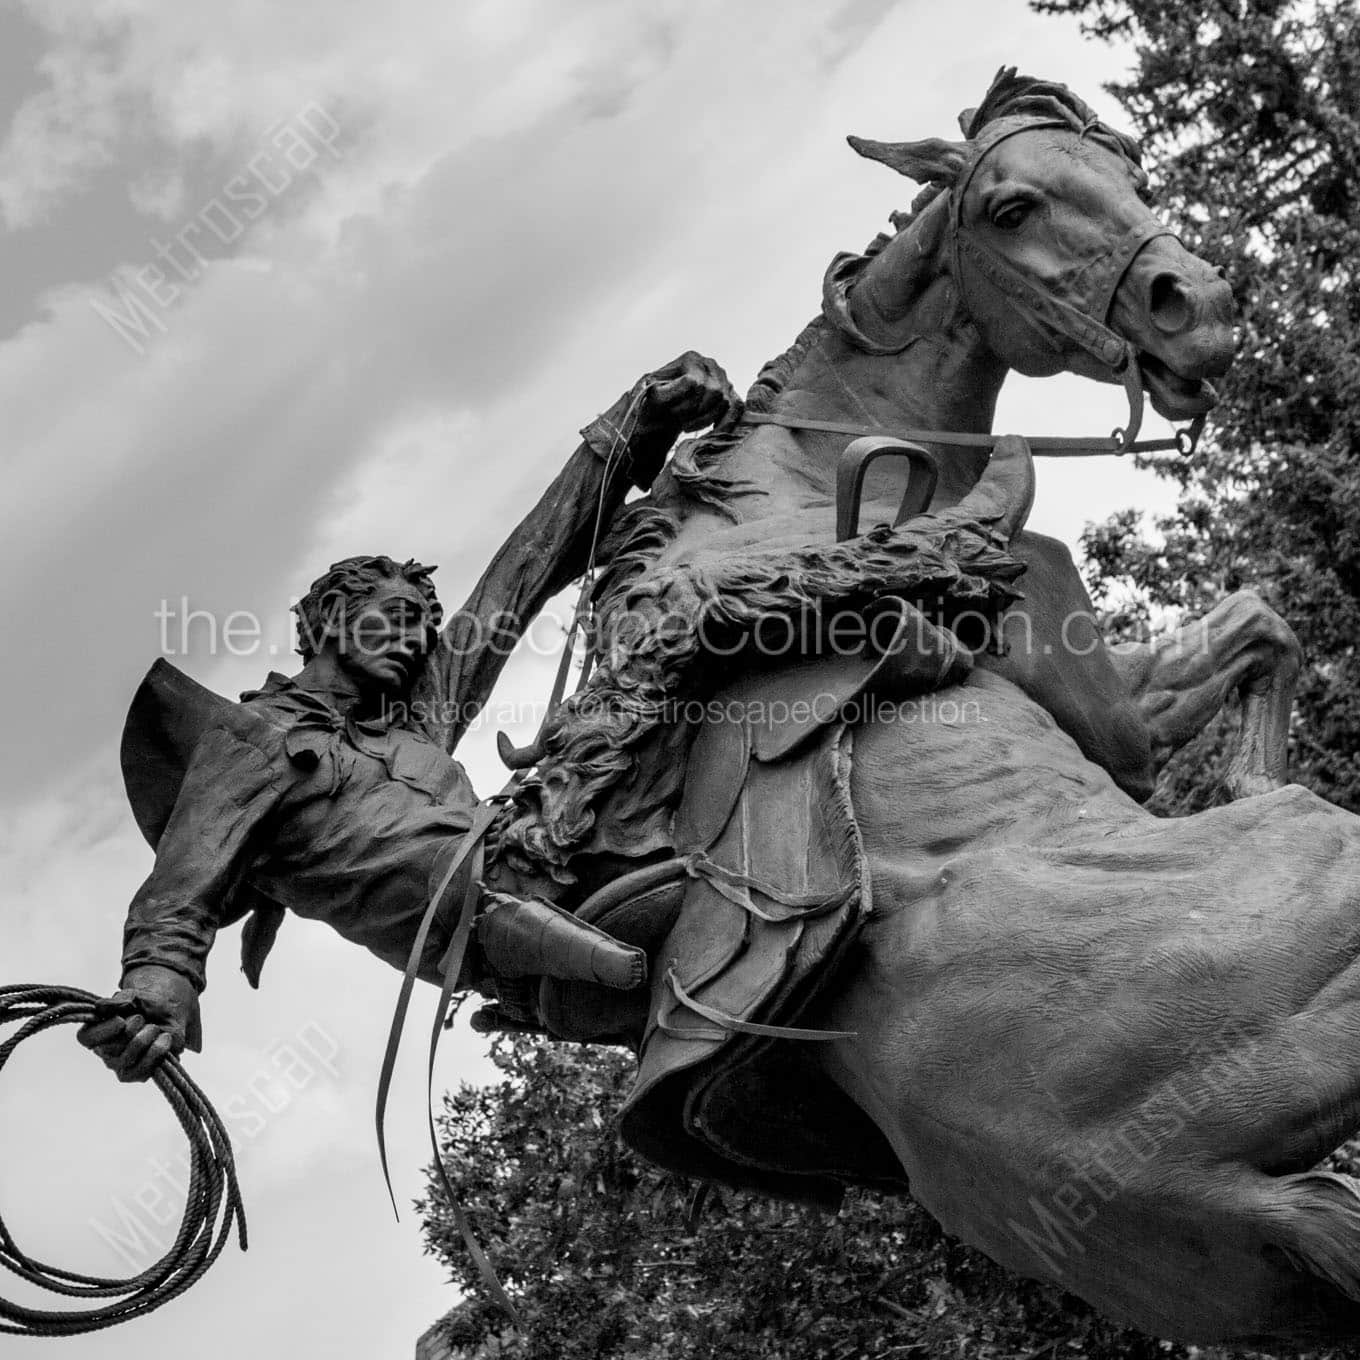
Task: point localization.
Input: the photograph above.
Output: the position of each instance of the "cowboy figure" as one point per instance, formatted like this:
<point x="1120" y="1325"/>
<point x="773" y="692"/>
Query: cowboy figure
<point x="332" y="793"/>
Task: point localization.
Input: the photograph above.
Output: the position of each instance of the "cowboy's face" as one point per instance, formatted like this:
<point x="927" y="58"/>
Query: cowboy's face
<point x="384" y="639"/>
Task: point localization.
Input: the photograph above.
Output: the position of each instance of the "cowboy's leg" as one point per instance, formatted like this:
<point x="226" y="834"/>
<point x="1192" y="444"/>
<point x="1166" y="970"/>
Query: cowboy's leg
<point x="521" y="939"/>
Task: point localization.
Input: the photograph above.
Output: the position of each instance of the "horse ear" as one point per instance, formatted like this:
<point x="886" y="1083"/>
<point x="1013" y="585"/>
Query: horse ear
<point x="932" y="161"/>
<point x="966" y="121"/>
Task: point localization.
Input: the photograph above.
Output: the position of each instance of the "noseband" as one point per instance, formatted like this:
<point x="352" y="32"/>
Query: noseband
<point x="1058" y="319"/>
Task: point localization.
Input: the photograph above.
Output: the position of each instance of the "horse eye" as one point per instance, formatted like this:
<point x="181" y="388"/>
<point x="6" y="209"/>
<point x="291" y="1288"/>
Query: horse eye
<point x="1012" y="216"/>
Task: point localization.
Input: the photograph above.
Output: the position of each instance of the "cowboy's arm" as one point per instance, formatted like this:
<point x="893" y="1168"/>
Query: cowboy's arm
<point x="550" y="547"/>
<point x="230" y="786"/>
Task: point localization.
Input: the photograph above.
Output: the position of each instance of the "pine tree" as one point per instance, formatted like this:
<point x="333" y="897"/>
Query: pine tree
<point x="1249" y="113"/>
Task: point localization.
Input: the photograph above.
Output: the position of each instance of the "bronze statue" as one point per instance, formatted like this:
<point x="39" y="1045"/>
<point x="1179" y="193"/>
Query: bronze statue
<point x="906" y="922"/>
<point x="312" y="795"/>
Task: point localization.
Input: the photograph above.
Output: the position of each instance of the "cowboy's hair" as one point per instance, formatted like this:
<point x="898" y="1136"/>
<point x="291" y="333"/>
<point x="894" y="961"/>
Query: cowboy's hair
<point x="355" y="580"/>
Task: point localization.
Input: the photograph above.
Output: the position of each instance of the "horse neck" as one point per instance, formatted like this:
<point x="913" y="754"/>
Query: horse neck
<point x="943" y="380"/>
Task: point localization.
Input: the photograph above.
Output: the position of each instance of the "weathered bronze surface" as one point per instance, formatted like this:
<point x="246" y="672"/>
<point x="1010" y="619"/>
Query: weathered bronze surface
<point x="1104" y="1047"/>
<point x="331" y="793"/>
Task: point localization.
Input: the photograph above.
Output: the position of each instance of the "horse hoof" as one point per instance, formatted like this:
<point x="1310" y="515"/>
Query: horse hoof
<point x="1241" y="786"/>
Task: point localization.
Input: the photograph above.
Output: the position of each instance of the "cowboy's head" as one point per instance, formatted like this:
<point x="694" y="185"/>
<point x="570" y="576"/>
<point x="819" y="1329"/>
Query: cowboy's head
<point x="376" y="617"/>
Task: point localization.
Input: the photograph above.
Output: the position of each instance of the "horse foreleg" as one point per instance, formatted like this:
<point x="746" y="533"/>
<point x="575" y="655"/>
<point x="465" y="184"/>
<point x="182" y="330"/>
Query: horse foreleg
<point x="1181" y="680"/>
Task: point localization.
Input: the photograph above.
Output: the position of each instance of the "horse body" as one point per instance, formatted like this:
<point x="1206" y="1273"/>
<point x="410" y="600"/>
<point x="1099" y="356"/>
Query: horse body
<point x="1107" y="1047"/>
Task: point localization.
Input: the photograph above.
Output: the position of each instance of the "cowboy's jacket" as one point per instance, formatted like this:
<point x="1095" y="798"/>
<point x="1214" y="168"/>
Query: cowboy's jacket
<point x="285" y="804"/>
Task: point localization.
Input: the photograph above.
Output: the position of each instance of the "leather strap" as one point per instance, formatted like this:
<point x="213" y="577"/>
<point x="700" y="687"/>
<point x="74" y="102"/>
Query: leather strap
<point x="1053" y="314"/>
<point x="452" y="967"/>
<point x="1050" y="445"/>
<point x="469" y="849"/>
<point x="735" y="887"/>
<point x="1121" y="255"/>
<point x="729" y="1024"/>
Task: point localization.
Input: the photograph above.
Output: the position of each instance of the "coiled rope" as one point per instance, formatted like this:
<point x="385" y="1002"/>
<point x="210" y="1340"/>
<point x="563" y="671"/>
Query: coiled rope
<point x="213" y="1191"/>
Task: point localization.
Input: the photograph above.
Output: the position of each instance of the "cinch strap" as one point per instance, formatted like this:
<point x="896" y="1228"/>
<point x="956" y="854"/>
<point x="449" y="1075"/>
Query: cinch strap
<point x="733" y="886"/>
<point x="729" y="1024"/>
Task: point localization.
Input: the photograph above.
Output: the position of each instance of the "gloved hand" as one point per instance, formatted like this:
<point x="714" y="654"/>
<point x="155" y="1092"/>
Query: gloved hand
<point x="689" y="393"/>
<point x="154" y="1013"/>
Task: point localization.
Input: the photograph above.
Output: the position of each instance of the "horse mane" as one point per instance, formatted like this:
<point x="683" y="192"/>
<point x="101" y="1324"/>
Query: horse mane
<point x="1017" y="96"/>
<point x="644" y="528"/>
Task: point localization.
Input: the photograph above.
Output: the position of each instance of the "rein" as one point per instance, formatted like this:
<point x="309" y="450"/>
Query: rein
<point x="1185" y="440"/>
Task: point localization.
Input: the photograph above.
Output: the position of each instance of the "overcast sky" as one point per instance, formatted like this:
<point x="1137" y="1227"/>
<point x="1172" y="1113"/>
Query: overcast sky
<point x="280" y="283"/>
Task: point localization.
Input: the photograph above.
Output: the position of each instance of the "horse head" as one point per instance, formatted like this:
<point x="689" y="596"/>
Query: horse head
<point x="1037" y="232"/>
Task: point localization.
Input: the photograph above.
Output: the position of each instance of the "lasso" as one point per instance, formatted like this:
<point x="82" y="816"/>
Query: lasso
<point x="213" y="1192"/>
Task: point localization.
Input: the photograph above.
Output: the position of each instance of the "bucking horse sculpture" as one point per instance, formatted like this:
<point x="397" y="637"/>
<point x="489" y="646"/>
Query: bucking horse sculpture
<point x="1107" y="1049"/>
<point x="857" y="775"/>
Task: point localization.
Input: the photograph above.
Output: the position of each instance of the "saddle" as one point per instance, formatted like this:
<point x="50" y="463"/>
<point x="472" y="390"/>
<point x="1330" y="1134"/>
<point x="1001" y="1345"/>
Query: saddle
<point x="747" y="925"/>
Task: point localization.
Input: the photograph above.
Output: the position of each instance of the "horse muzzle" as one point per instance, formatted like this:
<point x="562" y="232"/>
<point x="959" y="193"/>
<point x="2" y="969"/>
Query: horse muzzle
<point x="1177" y="312"/>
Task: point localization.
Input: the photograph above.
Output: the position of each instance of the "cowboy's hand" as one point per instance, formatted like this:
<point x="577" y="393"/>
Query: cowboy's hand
<point x="689" y="393"/>
<point x="153" y="1014"/>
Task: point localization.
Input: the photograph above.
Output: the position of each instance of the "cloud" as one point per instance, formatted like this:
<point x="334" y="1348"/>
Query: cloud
<point x="222" y="450"/>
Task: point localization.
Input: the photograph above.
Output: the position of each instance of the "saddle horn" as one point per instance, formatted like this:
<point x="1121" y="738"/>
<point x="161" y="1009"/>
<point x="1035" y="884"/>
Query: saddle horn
<point x="519" y="757"/>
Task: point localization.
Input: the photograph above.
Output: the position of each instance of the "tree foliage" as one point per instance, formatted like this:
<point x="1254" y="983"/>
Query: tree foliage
<point x="1249" y="113"/>
<point x="608" y="1258"/>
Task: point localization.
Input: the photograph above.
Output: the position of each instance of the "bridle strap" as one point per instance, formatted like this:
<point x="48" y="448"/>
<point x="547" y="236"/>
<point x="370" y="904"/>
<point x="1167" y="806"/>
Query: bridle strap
<point x="1094" y="337"/>
<point x="1118" y="260"/>
<point x="1086" y="329"/>
<point x="1088" y="332"/>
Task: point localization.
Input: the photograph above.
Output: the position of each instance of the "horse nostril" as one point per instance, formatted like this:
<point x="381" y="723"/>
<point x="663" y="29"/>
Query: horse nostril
<point x="1170" y="305"/>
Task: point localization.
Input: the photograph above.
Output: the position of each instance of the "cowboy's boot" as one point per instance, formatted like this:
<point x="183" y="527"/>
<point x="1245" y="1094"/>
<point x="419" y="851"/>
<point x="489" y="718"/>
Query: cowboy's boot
<point x="528" y="938"/>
